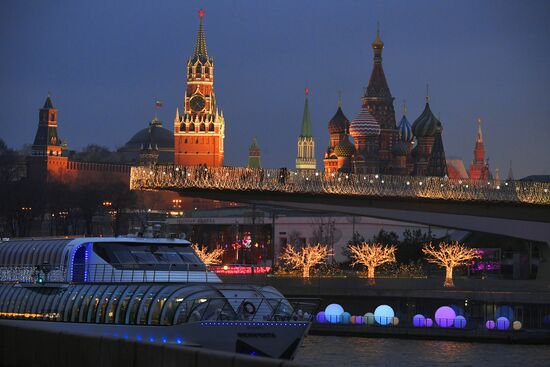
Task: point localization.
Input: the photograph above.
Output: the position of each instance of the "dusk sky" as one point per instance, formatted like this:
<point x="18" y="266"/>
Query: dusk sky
<point x="104" y="63"/>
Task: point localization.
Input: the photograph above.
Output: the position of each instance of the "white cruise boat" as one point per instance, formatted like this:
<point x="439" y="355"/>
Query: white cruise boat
<point x="150" y="290"/>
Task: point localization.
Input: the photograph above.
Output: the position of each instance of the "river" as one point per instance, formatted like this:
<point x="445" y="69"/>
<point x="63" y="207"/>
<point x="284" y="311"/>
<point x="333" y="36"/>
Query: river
<point x="330" y="351"/>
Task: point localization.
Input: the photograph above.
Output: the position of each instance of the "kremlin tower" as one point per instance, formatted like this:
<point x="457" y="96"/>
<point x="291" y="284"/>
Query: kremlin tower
<point x="47" y="160"/>
<point x="479" y="168"/>
<point x="200" y="131"/>
<point x="305" y="160"/>
<point x="254" y="155"/>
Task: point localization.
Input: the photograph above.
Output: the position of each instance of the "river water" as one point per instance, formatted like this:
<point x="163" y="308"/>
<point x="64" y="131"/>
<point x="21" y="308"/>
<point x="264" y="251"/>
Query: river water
<point x="334" y="351"/>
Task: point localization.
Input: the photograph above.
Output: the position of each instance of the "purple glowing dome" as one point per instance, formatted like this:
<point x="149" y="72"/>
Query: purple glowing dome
<point x="445" y="317"/>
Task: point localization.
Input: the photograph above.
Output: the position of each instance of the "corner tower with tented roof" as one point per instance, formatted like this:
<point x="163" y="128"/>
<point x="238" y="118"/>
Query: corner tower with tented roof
<point x="479" y="168"/>
<point x="379" y="102"/>
<point x="305" y="160"/>
<point x="199" y="132"/>
<point x="47" y="160"/>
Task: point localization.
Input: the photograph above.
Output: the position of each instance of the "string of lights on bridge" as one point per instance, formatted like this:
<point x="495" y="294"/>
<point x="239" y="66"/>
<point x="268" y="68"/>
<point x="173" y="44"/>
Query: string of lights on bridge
<point x="289" y="181"/>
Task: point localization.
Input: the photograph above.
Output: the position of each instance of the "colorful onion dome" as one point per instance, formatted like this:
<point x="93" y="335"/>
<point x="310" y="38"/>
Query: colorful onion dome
<point x="364" y="124"/>
<point x="405" y="130"/>
<point x="339" y="123"/>
<point x="400" y="148"/>
<point x="345" y="148"/>
<point x="426" y="124"/>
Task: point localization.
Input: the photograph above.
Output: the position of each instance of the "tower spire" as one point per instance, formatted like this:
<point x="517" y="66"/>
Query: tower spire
<point x="378" y="44"/>
<point x="306" y="119"/>
<point x="427" y="93"/>
<point x="404" y="108"/>
<point x="479" y="132"/>
<point x="340" y="99"/>
<point x="510" y="173"/>
<point x="200" y="45"/>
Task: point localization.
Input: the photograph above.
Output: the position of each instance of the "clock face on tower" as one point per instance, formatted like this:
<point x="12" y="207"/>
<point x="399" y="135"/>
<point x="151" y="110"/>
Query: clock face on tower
<point x="197" y="103"/>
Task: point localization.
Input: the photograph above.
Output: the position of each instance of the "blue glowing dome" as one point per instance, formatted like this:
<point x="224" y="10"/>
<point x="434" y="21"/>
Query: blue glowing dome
<point x="460" y="322"/>
<point x="333" y="313"/>
<point x="383" y="315"/>
<point x="503" y="323"/>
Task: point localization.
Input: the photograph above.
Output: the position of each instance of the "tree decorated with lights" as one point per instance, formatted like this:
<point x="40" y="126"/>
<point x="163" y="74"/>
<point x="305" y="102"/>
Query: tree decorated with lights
<point x="306" y="257"/>
<point x="213" y="257"/>
<point x="449" y="256"/>
<point x="372" y="255"/>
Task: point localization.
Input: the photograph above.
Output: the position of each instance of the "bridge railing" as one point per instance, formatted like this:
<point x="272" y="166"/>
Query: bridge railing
<point x="289" y="181"/>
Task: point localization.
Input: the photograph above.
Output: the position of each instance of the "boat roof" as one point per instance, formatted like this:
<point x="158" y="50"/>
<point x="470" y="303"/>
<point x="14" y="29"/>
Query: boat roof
<point x="54" y="251"/>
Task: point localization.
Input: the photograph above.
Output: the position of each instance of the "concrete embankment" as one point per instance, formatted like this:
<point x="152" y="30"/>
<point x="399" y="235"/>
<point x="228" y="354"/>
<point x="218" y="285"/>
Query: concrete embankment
<point x="485" y="290"/>
<point x="466" y="335"/>
<point x="24" y="347"/>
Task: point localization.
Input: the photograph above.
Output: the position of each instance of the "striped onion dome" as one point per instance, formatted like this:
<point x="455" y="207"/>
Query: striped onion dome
<point x="364" y="124"/>
<point x="345" y="148"/>
<point x="405" y="130"/>
<point x="400" y="148"/>
<point x="426" y="124"/>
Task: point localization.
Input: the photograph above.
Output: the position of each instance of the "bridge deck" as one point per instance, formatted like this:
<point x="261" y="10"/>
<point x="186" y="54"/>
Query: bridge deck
<point x="340" y="184"/>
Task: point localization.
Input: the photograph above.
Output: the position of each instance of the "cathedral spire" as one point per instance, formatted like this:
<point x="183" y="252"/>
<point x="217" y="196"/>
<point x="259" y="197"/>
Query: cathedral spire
<point x="479" y="132"/>
<point x="200" y="45"/>
<point x="510" y="173"/>
<point x="306" y="119"/>
<point x="378" y="44"/>
<point x="378" y="86"/>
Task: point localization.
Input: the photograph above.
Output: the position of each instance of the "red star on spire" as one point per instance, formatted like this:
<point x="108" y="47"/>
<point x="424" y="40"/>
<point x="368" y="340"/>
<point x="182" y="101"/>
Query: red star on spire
<point x="201" y="13"/>
<point x="307" y="91"/>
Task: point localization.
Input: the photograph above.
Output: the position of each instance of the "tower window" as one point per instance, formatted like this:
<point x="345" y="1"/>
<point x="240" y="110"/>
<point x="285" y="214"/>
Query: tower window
<point x="198" y="70"/>
<point x="190" y="70"/>
<point x="211" y="127"/>
<point x="206" y="70"/>
<point x="192" y="127"/>
<point x="202" y="127"/>
<point x="182" y="128"/>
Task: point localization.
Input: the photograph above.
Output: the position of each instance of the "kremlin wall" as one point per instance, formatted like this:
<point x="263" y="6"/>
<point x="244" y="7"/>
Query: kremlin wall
<point x="372" y="142"/>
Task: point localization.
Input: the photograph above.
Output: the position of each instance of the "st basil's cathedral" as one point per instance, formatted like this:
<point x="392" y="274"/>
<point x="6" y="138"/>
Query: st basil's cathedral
<point x="374" y="143"/>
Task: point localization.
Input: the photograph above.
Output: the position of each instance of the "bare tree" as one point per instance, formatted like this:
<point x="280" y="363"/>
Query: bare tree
<point x="449" y="256"/>
<point x="208" y="257"/>
<point x="306" y="257"/>
<point x="372" y="255"/>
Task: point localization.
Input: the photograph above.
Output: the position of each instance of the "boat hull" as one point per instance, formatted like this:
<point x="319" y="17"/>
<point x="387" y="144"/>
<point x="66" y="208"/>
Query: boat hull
<point x="270" y="339"/>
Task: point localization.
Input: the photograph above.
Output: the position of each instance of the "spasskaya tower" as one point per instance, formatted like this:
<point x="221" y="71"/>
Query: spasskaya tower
<point x="199" y="131"/>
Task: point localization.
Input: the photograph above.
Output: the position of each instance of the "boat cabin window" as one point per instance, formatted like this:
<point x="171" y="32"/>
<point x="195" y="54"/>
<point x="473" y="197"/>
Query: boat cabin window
<point x="148" y="255"/>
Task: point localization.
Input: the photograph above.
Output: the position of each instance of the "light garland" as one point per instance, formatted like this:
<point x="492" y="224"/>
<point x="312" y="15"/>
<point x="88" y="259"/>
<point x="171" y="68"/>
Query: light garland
<point x="282" y="180"/>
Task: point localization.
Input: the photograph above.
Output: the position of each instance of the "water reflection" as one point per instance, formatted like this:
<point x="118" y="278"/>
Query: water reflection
<point x="321" y="351"/>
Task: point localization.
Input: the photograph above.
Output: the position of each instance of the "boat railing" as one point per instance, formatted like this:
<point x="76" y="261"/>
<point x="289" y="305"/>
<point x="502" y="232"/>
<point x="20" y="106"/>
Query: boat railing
<point x="33" y="273"/>
<point x="250" y="309"/>
<point x="109" y="273"/>
<point x="145" y="273"/>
